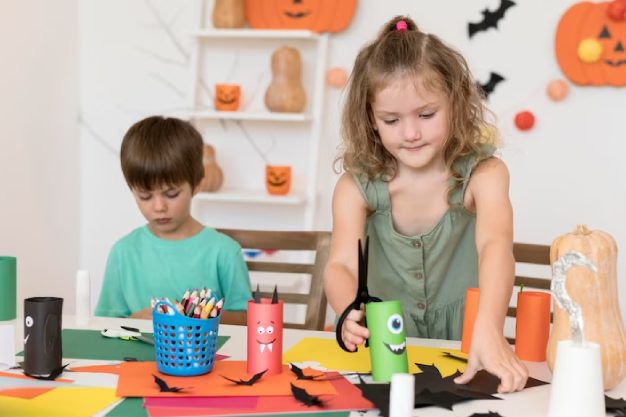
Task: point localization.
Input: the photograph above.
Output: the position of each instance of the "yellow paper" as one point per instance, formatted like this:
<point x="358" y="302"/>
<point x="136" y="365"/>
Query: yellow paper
<point x="60" y="402"/>
<point x="330" y="356"/>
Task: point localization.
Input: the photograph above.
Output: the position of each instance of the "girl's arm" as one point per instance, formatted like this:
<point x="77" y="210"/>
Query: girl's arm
<point x="340" y="274"/>
<point x="489" y="196"/>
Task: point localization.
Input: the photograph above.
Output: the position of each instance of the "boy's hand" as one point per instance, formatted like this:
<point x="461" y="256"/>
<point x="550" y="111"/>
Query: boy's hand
<point x="353" y="333"/>
<point x="491" y="352"/>
<point x="145" y="314"/>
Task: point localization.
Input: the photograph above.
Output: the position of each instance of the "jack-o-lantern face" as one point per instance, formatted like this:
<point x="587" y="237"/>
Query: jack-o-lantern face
<point x="227" y="97"/>
<point x="316" y="15"/>
<point x="278" y="179"/>
<point x="590" y="45"/>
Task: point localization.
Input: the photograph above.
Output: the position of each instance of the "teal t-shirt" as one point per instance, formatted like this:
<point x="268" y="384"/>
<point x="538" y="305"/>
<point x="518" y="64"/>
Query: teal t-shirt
<point x="142" y="266"/>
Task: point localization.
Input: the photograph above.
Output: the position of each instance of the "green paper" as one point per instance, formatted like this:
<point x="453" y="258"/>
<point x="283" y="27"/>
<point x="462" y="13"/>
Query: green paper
<point x="90" y="344"/>
<point x="387" y="341"/>
<point x="130" y="407"/>
<point x="8" y="287"/>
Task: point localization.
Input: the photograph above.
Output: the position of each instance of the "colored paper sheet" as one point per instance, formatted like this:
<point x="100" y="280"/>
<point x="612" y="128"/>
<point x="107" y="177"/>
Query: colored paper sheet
<point x="90" y="344"/>
<point x="22" y="376"/>
<point x="6" y="383"/>
<point x="129" y="407"/>
<point x="308" y="413"/>
<point x="348" y="398"/>
<point x="60" y="402"/>
<point x="136" y="380"/>
<point x="201" y="402"/>
<point x="26" y="393"/>
<point x="330" y="356"/>
<point x="98" y="369"/>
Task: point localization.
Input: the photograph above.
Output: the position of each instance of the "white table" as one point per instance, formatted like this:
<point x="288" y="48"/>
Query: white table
<point x="531" y="402"/>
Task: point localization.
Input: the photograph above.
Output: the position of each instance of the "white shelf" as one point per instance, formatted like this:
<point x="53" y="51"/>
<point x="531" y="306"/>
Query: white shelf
<point x="250" y="196"/>
<point x="242" y="115"/>
<point x="256" y="34"/>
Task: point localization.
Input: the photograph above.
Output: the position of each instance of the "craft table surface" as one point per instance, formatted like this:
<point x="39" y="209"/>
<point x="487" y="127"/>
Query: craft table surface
<point x="531" y="402"/>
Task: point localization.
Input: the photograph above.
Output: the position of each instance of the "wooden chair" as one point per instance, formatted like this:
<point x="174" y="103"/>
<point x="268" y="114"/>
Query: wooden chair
<point x="530" y="254"/>
<point x="296" y="242"/>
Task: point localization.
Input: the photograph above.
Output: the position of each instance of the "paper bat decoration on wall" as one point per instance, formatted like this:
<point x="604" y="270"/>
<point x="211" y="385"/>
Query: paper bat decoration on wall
<point x="490" y="86"/>
<point x="164" y="387"/>
<point x="250" y="381"/>
<point x="300" y="374"/>
<point x="490" y="18"/>
<point x="304" y="397"/>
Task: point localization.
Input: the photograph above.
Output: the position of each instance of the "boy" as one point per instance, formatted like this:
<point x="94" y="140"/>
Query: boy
<point x="162" y="164"/>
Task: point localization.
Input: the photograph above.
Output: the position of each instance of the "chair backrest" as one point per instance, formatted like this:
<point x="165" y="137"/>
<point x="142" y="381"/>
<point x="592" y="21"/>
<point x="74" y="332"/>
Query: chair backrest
<point x="531" y="255"/>
<point x="298" y="243"/>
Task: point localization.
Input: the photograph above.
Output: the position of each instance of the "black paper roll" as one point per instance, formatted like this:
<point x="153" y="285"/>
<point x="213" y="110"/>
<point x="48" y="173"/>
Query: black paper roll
<point x="42" y="335"/>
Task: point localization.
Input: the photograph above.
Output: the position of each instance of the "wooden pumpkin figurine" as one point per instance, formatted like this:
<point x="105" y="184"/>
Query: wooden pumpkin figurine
<point x="590" y="44"/>
<point x="213" y="176"/>
<point x="278" y="179"/>
<point x="229" y="14"/>
<point x="285" y="93"/>
<point x="315" y="15"/>
<point x="596" y="294"/>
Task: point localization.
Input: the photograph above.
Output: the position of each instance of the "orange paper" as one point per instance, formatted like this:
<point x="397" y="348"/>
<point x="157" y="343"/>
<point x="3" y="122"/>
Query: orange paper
<point x="98" y="369"/>
<point x="532" y="325"/>
<point x="22" y="376"/>
<point x="471" y="308"/>
<point x="136" y="380"/>
<point x="25" y="392"/>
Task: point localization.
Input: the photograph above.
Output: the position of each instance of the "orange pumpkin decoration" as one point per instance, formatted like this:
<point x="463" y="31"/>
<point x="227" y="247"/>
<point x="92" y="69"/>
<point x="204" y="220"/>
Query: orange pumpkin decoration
<point x="213" y="176"/>
<point x="596" y="294"/>
<point x="278" y="179"/>
<point x="587" y="33"/>
<point x="285" y="92"/>
<point x="228" y="14"/>
<point x="227" y="97"/>
<point x="316" y="15"/>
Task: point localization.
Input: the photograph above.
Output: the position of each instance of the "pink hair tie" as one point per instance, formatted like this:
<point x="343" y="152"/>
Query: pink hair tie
<point x="401" y="25"/>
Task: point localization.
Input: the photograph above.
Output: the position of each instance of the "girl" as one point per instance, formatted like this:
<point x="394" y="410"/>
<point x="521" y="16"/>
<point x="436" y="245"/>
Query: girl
<point x="429" y="194"/>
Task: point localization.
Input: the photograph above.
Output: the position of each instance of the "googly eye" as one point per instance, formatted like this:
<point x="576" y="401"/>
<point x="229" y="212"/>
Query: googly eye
<point x="269" y="329"/>
<point x="28" y="321"/>
<point x="395" y="324"/>
<point x="260" y="330"/>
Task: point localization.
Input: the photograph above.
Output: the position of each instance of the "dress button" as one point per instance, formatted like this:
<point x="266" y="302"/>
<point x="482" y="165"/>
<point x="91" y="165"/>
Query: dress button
<point x="417" y="244"/>
<point x="421" y="306"/>
<point x="419" y="275"/>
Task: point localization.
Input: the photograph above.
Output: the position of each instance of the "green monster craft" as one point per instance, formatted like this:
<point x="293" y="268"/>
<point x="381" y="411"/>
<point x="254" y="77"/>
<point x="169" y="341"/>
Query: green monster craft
<point x="387" y="341"/>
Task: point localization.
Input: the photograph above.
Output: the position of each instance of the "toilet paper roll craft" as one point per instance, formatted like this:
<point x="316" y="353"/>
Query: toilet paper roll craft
<point x="387" y="341"/>
<point x="305" y="398"/>
<point x="362" y="295"/>
<point x="265" y="334"/>
<point x="490" y="18"/>
<point x="42" y="336"/>
<point x="255" y="378"/>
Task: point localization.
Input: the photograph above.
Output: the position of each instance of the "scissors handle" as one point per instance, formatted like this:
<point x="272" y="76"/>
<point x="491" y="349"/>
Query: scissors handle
<point x="342" y="318"/>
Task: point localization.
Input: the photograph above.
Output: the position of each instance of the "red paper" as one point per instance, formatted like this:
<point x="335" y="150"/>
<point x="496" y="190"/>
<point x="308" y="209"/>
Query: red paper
<point x="136" y="380"/>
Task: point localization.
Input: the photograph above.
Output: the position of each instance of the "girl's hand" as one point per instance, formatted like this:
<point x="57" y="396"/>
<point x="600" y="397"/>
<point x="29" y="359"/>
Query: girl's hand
<point x="146" y="314"/>
<point x="353" y="333"/>
<point x="491" y="352"/>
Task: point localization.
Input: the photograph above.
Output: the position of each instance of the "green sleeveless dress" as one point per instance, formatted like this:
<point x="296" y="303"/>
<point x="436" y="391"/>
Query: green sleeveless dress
<point x="428" y="273"/>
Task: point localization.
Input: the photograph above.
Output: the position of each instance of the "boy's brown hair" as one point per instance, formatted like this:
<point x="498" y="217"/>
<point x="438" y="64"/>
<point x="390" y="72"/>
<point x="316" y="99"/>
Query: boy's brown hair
<point x="159" y="151"/>
<point x="411" y="53"/>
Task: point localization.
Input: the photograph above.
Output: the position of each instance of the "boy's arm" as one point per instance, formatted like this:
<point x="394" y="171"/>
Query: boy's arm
<point x="489" y="188"/>
<point x="340" y="274"/>
<point x="111" y="302"/>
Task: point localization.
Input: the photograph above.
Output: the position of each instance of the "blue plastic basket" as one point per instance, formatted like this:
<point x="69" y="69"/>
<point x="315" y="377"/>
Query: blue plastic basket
<point x="183" y="346"/>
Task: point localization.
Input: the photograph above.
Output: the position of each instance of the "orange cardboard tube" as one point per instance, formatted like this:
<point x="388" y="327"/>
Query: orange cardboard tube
<point x="471" y="308"/>
<point x="532" y="325"/>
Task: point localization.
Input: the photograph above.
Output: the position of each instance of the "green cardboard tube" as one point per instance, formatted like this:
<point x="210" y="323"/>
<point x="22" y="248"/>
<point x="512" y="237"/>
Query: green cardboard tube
<point x="387" y="341"/>
<point x="8" y="288"/>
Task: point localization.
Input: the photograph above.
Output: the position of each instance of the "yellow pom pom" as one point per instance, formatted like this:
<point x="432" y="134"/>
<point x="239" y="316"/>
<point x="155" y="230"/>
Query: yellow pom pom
<point x="589" y="50"/>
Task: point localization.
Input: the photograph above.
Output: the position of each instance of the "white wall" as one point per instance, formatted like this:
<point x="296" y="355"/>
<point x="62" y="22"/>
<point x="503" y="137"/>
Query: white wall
<point x="567" y="170"/>
<point x="39" y="143"/>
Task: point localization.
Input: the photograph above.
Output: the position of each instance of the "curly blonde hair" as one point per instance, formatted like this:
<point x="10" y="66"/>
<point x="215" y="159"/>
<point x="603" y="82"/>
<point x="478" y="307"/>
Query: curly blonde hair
<point x="410" y="53"/>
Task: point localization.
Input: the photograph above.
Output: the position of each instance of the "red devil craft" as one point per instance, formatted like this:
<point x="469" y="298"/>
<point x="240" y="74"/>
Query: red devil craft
<point x="265" y="334"/>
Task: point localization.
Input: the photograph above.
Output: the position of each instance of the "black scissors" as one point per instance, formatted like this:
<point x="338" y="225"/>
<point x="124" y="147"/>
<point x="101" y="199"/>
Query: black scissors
<point x="362" y="295"/>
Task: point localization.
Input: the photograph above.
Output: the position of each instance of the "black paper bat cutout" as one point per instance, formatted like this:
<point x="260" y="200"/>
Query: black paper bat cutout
<point x="490" y="86"/>
<point x="305" y="398"/>
<point x="613" y="404"/>
<point x="251" y="381"/>
<point x="164" y="387"/>
<point x="489" y="414"/>
<point x="490" y="19"/>
<point x="300" y="374"/>
<point x="53" y="375"/>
